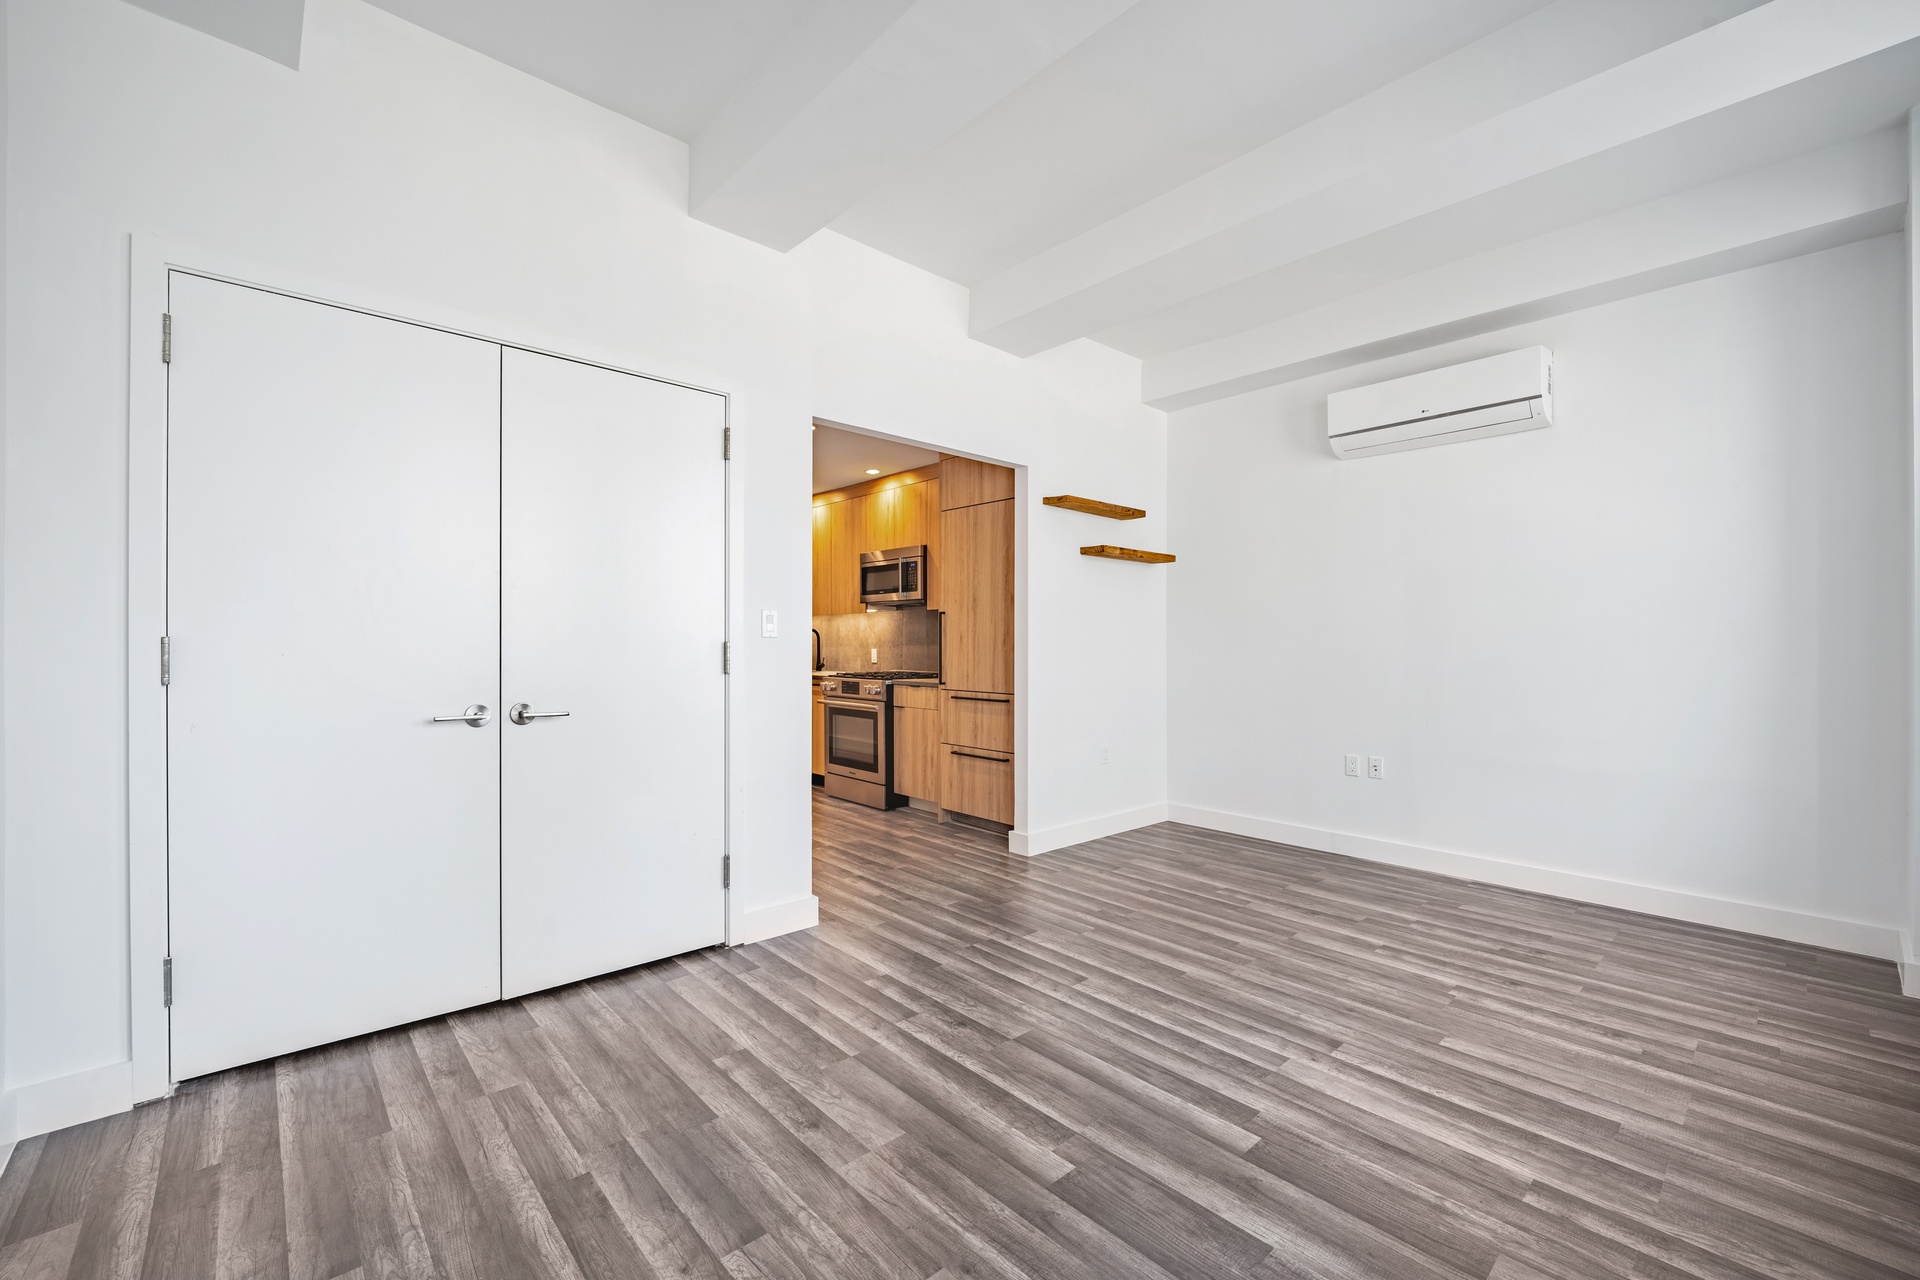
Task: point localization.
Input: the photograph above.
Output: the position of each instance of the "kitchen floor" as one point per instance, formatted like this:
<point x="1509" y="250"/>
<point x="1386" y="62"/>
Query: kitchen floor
<point x="1169" y="1053"/>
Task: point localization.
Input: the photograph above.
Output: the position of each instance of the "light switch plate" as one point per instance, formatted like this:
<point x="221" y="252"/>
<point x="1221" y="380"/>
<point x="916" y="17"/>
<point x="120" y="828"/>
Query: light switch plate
<point x="769" y="624"/>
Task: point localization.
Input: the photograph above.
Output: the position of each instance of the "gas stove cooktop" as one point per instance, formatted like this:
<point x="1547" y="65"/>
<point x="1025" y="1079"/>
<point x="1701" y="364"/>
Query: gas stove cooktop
<point x="883" y="675"/>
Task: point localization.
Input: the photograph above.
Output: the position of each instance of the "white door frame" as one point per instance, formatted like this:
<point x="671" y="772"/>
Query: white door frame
<point x="152" y="258"/>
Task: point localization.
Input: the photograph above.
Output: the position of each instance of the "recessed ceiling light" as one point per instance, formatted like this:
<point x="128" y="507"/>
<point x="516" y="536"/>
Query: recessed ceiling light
<point x="873" y="471"/>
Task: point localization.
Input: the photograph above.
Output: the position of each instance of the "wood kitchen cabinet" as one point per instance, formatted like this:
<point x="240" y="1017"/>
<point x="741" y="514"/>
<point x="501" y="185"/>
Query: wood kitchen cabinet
<point x="977" y="782"/>
<point x="888" y="516"/>
<point x="819" y="734"/>
<point x="976" y="754"/>
<point x="916" y="742"/>
<point x="901" y="510"/>
<point x="976" y="594"/>
<point x="852" y="520"/>
<point x="927" y="512"/>
<point x="966" y="483"/>
<point x="983" y="720"/>
<point x="823" y="597"/>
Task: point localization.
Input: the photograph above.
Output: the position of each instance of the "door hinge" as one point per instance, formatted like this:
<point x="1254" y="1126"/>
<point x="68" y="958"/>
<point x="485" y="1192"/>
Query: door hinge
<point x="726" y="443"/>
<point x="166" y="982"/>
<point x="726" y="871"/>
<point x="166" y="659"/>
<point x="726" y="657"/>
<point x="166" y="339"/>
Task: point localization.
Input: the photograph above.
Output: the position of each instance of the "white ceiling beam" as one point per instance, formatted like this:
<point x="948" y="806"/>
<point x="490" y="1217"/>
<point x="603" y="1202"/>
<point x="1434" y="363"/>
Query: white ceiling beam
<point x="1847" y="192"/>
<point x="1806" y="116"/>
<point x="1549" y="49"/>
<point x="860" y="88"/>
<point x="1350" y="176"/>
<point x="270" y="28"/>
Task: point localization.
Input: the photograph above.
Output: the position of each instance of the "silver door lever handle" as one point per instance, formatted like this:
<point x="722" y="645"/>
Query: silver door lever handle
<point x="476" y="715"/>
<point x="522" y="713"/>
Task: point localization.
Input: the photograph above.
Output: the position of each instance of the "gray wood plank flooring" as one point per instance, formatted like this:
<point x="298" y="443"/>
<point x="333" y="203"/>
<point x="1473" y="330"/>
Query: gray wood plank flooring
<point x="1169" y="1053"/>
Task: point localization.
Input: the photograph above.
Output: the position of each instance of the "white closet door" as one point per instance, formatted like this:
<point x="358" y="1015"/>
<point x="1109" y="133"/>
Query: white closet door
<point x="332" y="585"/>
<point x="613" y="606"/>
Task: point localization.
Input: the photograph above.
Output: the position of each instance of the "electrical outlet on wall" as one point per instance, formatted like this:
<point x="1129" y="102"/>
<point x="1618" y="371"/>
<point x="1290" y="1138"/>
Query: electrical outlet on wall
<point x="873" y="656"/>
<point x="1376" y="766"/>
<point x="1353" y="764"/>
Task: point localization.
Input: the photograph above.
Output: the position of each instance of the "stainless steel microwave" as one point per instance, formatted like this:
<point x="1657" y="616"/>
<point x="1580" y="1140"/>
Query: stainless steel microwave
<point x="893" y="579"/>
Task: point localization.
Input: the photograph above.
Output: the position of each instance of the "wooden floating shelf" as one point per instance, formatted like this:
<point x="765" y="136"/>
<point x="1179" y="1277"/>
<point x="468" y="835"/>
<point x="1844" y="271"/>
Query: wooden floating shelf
<point x="1128" y="553"/>
<point x="1092" y="507"/>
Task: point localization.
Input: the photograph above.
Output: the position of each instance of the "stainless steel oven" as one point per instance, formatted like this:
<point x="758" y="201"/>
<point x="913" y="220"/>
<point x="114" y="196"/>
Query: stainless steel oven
<point x="895" y="579"/>
<point x="859" y="741"/>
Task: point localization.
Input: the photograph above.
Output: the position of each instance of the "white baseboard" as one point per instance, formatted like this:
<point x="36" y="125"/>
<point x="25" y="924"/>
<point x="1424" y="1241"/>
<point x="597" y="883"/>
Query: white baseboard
<point x="1032" y="843"/>
<point x="760" y="923"/>
<point x="1883" y="942"/>
<point x="66" y="1100"/>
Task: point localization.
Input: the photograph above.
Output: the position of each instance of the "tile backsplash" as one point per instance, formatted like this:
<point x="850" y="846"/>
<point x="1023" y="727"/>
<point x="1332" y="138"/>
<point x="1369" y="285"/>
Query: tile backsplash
<point x="907" y="640"/>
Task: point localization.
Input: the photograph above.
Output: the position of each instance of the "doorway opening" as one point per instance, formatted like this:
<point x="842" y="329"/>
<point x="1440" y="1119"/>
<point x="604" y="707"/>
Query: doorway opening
<point x="913" y="691"/>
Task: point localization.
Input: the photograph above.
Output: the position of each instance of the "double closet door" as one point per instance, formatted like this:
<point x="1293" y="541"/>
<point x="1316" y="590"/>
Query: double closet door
<point x="445" y="711"/>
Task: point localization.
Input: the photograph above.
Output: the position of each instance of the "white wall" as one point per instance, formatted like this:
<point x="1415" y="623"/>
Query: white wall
<point x="7" y="1125"/>
<point x="1910" y="962"/>
<point x="1662" y="644"/>
<point x="398" y="162"/>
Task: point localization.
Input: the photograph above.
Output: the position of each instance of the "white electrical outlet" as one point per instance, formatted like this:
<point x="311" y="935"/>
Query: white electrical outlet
<point x="1353" y="765"/>
<point x="1376" y="766"/>
<point x="873" y="656"/>
<point x="1104" y="752"/>
<point x="769" y="624"/>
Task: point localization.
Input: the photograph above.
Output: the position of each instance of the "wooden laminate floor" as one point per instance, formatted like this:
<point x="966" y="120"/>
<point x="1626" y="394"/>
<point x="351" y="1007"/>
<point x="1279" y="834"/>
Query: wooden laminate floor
<point x="1171" y="1053"/>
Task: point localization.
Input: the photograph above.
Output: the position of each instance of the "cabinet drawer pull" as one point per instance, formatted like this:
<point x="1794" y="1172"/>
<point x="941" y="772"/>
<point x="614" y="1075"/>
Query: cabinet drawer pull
<point x="974" y="697"/>
<point x="974" y="755"/>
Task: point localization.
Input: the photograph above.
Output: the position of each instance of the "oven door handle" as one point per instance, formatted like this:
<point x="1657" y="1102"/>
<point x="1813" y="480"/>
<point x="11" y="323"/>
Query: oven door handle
<point x="853" y="704"/>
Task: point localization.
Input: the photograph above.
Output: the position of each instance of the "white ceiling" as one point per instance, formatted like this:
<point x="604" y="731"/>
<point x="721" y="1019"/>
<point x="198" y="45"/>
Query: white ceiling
<point x="669" y="64"/>
<point x="842" y="457"/>
<point x="1246" y="191"/>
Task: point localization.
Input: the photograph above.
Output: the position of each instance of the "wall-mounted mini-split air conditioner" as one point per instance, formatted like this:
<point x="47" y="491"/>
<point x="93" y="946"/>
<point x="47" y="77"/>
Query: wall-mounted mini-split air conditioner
<point x="1491" y="397"/>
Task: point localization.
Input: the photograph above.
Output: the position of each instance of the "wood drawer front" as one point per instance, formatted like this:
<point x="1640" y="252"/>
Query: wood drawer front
<point x="921" y="697"/>
<point x="983" y="720"/>
<point x="979" y="783"/>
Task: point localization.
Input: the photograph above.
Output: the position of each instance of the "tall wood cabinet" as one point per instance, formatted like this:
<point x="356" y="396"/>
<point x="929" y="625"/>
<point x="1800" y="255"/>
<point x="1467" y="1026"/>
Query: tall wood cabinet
<point x="976" y="593"/>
